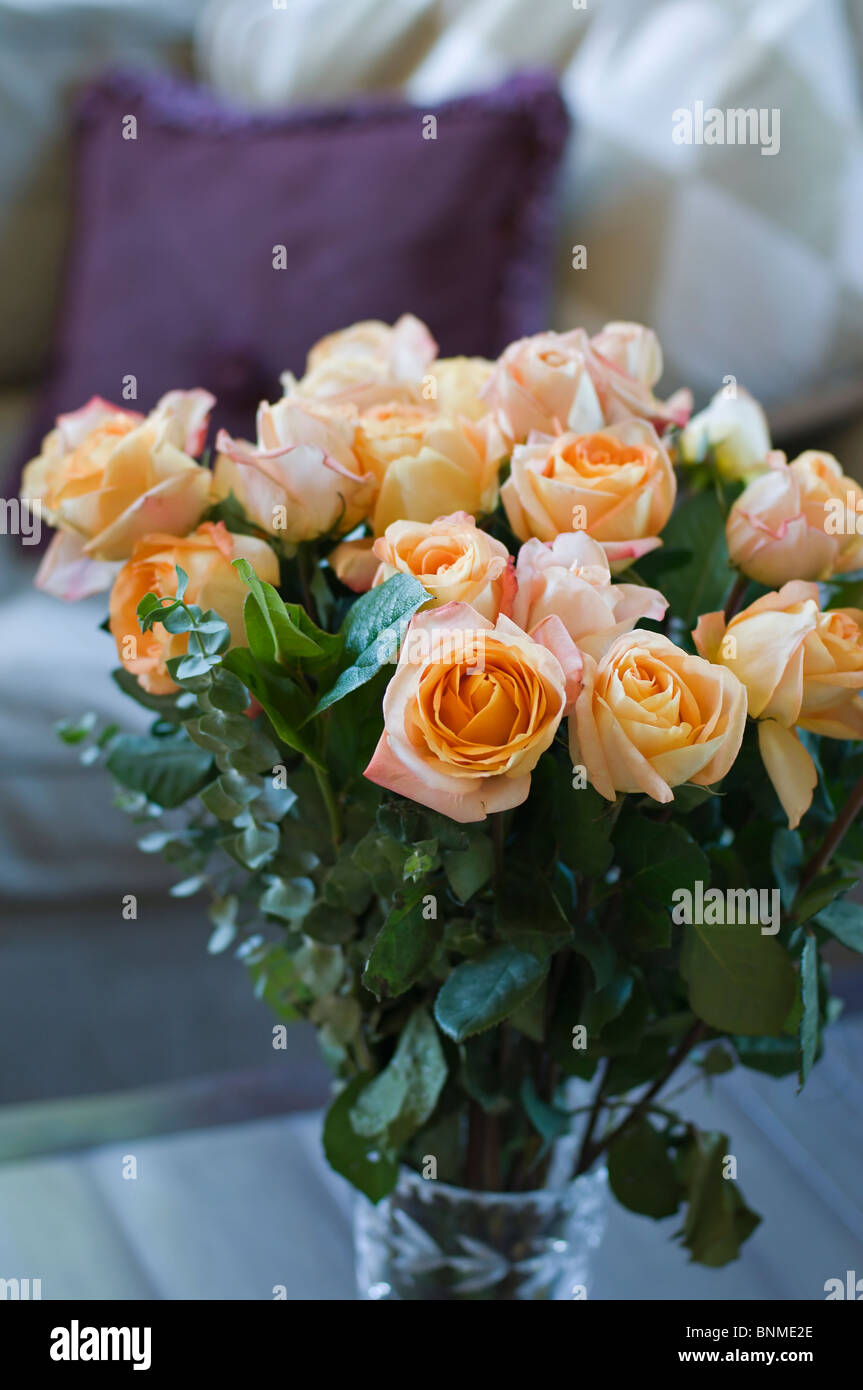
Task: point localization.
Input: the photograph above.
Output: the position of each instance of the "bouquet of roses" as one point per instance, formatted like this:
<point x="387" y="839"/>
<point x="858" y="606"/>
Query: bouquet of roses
<point x="467" y="675"/>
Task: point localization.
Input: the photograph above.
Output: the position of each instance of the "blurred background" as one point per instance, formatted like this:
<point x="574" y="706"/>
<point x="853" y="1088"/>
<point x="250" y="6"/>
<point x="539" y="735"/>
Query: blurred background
<point x="153" y="153"/>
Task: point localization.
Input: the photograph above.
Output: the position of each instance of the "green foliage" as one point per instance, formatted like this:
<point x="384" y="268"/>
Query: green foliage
<point x="354" y="1156"/>
<point x="482" y="992"/>
<point x="717" y="1220"/>
<point x="641" y="1172"/>
<point x="459" y="975"/>
<point x="167" y="771"/>
<point x="399" y="1100"/>
<point x="697" y="527"/>
<point x="372" y="632"/>
<point x="403" y="948"/>
<point x="739" y="981"/>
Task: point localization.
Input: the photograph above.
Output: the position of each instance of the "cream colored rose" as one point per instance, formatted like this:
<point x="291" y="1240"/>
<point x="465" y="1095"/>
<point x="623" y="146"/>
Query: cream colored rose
<point x="303" y="478"/>
<point x="107" y="476"/>
<point x="802" y="669"/>
<point x="368" y="364"/>
<point x="651" y="717"/>
<point x="735" y="429"/>
<point x="453" y="559"/>
<point x="617" y="484"/>
<point x="796" y="521"/>
<point x="570" y="577"/>
<point x="543" y="384"/>
<point x="426" y="465"/>
<point x="458" y="383"/>
<point x="469" y="710"/>
<point x="625" y="363"/>
<point x="207" y="557"/>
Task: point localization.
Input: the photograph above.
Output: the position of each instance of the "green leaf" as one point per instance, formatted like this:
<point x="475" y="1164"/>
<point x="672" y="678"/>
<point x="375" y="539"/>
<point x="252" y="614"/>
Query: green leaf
<point x="821" y="893"/>
<point x="786" y="857"/>
<point x="288" y="899"/>
<point x="403" y="949"/>
<point x="272" y="628"/>
<point x="603" y="1005"/>
<point x="168" y="771"/>
<point x="216" y="731"/>
<point x="583" y="829"/>
<point x="640" y="1173"/>
<point x="700" y="585"/>
<point x="844" y="920"/>
<point x="718" y="1220"/>
<point x="549" y="1122"/>
<point x="227" y="692"/>
<point x="528" y="915"/>
<point x="163" y="705"/>
<point x="254" y="846"/>
<point x="772" y="1056"/>
<point x="656" y="858"/>
<point x="372" y="632"/>
<point x="597" y="949"/>
<point x="284" y="704"/>
<point x="480" y="993"/>
<point x="403" y="1096"/>
<point x="716" y="1061"/>
<point x="809" y="1021"/>
<point x="647" y="926"/>
<point x="739" y="981"/>
<point x="276" y="979"/>
<point x="328" y="924"/>
<point x="470" y="869"/>
<point x="352" y="1155"/>
<point x="229" y="795"/>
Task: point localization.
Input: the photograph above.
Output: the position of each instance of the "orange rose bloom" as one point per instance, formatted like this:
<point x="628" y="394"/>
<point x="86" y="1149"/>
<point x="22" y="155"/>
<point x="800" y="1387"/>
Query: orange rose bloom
<point x="616" y="484"/>
<point x="207" y="557"/>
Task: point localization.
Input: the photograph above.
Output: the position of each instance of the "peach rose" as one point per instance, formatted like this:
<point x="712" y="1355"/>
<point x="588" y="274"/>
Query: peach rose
<point x="617" y="484"/>
<point x="651" y="717"/>
<point x="425" y="465"/>
<point x="452" y="559"/>
<point x="802" y="669"/>
<point x="471" y="707"/>
<point x="542" y="384"/>
<point x="458" y="383"/>
<point x="625" y="363"/>
<point x="735" y="429"/>
<point x="570" y="577"/>
<point x="302" y="479"/>
<point x="207" y="557"/>
<point x="796" y="521"/>
<point x="368" y="364"/>
<point x="107" y="476"/>
<point x="558" y="382"/>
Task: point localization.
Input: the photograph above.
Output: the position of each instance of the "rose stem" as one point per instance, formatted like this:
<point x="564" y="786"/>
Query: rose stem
<point x="735" y="598"/>
<point x="833" y="838"/>
<point x="590" y="1152"/>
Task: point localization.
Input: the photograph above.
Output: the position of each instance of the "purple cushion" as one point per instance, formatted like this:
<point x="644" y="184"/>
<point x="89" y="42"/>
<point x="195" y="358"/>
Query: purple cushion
<point x="171" y="277"/>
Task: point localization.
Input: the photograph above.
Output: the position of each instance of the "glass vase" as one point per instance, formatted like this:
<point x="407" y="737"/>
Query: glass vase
<point x="434" y="1242"/>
